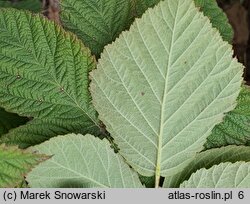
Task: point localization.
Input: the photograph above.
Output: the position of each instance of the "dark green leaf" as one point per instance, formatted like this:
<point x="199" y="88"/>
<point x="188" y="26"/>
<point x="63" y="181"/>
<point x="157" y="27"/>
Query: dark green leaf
<point x="32" y="5"/>
<point x="44" y="71"/>
<point x="96" y="23"/>
<point x="235" y="129"/>
<point x="206" y="160"/>
<point x="209" y="7"/>
<point x="9" y="121"/>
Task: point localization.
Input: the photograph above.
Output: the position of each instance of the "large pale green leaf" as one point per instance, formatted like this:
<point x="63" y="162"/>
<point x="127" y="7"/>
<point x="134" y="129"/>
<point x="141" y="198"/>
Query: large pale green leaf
<point x="38" y="131"/>
<point x="81" y="161"/>
<point x="44" y="70"/>
<point x="96" y="22"/>
<point x="209" y="7"/>
<point x="235" y="129"/>
<point x="15" y="164"/>
<point x="32" y="5"/>
<point x="206" y="160"/>
<point x="162" y="86"/>
<point x="9" y="121"/>
<point x="224" y="175"/>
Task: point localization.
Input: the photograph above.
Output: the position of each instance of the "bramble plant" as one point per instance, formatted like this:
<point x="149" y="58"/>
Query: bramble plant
<point x="144" y="94"/>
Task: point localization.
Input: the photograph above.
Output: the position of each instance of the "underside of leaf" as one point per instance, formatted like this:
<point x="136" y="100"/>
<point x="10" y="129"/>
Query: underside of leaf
<point x="207" y="159"/>
<point x="224" y="175"/>
<point x="165" y="84"/>
<point x="81" y="161"/>
<point x="210" y="9"/>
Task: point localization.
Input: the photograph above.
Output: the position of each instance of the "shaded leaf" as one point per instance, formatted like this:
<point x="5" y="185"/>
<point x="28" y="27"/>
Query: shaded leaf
<point x="9" y="121"/>
<point x="224" y="175"/>
<point x="149" y="182"/>
<point x="38" y="131"/>
<point x="32" y="5"/>
<point x="81" y="161"/>
<point x="206" y="160"/>
<point x="235" y="128"/>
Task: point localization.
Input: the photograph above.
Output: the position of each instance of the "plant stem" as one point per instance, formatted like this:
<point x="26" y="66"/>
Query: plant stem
<point x="157" y="176"/>
<point x="157" y="181"/>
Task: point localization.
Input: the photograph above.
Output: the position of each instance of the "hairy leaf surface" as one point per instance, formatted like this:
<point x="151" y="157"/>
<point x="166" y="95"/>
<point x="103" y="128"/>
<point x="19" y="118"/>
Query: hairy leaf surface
<point x="235" y="129"/>
<point x="162" y="86"/>
<point x="209" y="7"/>
<point x="81" y="161"/>
<point x="15" y="164"/>
<point x="97" y="23"/>
<point x="9" y="121"/>
<point x="206" y="160"/>
<point x="224" y="175"/>
<point x="43" y="70"/>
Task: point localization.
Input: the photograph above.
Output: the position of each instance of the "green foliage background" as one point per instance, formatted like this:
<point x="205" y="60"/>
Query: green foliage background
<point x="68" y="107"/>
<point x="32" y="5"/>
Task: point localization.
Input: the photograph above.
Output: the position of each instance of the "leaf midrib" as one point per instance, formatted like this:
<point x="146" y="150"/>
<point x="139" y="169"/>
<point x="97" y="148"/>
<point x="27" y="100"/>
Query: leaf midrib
<point x="161" y="130"/>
